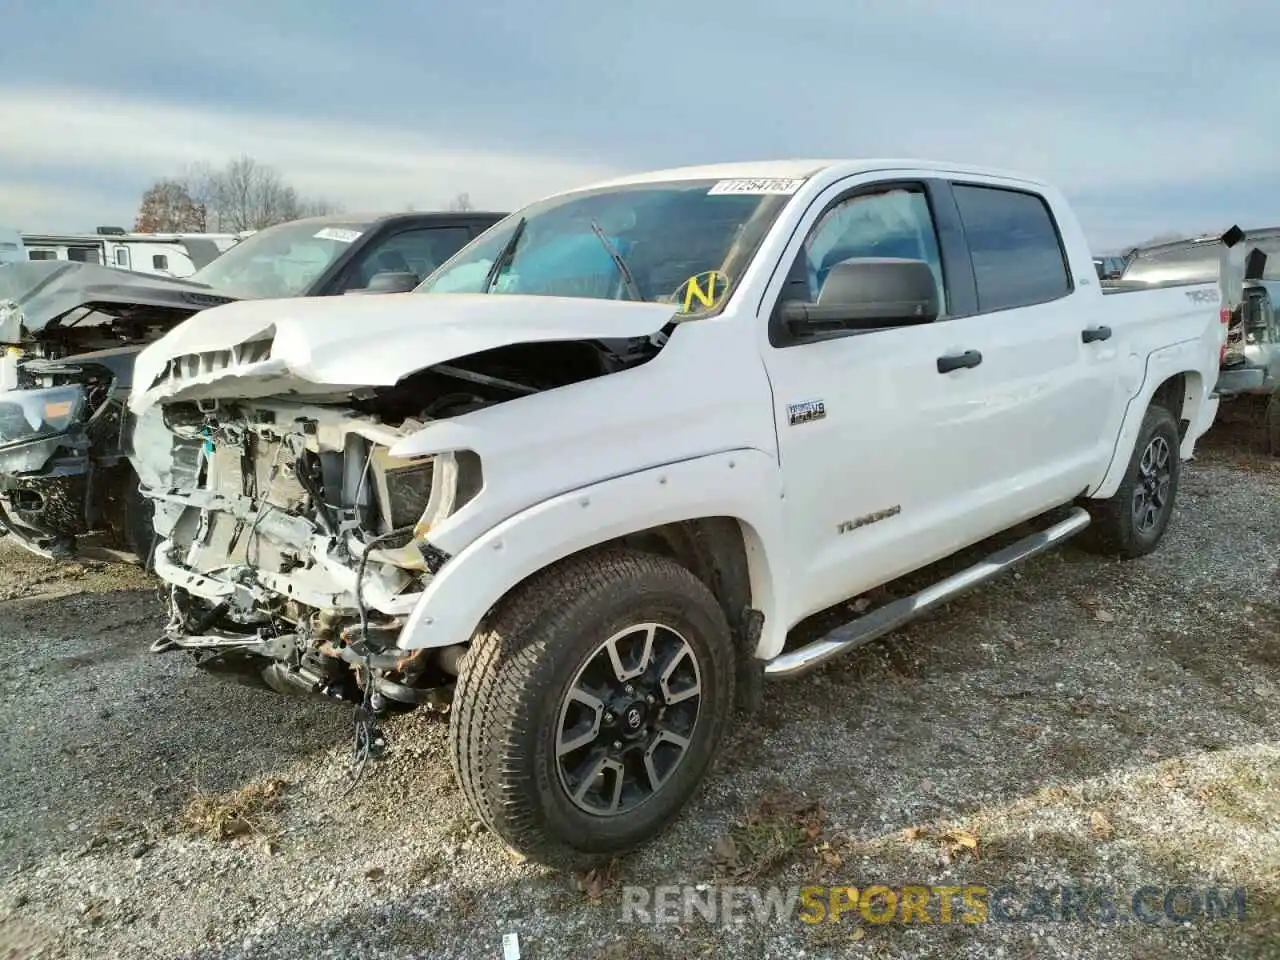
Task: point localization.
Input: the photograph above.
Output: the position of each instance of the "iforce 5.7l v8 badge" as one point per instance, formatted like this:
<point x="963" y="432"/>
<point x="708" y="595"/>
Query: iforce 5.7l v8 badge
<point x="807" y="411"/>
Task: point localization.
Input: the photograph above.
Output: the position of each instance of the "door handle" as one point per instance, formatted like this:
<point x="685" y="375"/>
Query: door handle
<point x="1095" y="333"/>
<point x="970" y="358"/>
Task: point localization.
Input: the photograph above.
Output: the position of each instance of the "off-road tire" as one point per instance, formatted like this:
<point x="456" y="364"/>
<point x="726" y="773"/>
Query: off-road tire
<point x="1113" y="531"/>
<point x="520" y="666"/>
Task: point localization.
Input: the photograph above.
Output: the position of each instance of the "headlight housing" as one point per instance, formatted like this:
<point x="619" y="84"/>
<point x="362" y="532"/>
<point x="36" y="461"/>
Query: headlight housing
<point x="30" y="414"/>
<point x="445" y="482"/>
<point x="456" y="480"/>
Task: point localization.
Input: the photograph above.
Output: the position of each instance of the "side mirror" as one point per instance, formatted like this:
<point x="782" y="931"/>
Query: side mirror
<point x="389" y="283"/>
<point x="866" y="293"/>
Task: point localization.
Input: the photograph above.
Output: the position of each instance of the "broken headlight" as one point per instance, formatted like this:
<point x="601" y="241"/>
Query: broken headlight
<point x="28" y="414"/>
<point x="401" y="488"/>
<point x="456" y="479"/>
<point x="422" y="491"/>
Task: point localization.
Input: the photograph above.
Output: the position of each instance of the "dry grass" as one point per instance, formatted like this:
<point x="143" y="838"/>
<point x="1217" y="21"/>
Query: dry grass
<point x="242" y="812"/>
<point x="767" y="838"/>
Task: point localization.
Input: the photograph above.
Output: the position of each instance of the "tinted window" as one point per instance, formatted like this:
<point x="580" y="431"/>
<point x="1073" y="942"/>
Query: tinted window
<point x="414" y="251"/>
<point x="1017" y="258"/>
<point x="896" y="223"/>
<point x="160" y="262"/>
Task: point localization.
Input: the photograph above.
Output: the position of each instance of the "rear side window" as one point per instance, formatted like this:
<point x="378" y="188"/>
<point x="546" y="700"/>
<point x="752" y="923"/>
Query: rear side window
<point x="1017" y="256"/>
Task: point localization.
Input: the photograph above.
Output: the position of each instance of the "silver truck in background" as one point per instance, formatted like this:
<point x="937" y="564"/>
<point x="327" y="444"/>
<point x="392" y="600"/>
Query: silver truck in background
<point x="1249" y="372"/>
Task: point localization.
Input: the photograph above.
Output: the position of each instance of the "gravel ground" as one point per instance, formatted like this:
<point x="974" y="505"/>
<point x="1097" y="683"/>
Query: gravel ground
<point x="1081" y="722"/>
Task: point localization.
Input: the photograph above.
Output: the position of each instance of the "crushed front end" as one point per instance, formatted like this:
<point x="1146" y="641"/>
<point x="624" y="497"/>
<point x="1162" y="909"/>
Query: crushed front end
<point x="69" y="334"/>
<point x="293" y="543"/>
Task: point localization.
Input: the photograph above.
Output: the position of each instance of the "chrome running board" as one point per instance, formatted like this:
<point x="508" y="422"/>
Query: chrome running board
<point x="893" y="615"/>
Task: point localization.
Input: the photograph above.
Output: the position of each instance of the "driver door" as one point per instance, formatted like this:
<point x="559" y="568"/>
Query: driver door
<point x="873" y="440"/>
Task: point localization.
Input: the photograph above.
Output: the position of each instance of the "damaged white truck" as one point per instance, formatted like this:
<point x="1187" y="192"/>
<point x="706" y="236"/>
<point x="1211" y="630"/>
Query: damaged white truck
<point x="580" y="485"/>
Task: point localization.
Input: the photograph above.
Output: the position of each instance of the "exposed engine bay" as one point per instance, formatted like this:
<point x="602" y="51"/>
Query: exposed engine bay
<point x="289" y="532"/>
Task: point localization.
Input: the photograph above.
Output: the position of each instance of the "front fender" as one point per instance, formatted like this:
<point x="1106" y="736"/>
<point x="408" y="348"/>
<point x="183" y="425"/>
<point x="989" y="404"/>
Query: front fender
<point x="745" y="484"/>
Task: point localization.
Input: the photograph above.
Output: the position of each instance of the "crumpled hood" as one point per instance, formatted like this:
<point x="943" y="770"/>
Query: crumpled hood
<point x="336" y="344"/>
<point x="38" y="294"/>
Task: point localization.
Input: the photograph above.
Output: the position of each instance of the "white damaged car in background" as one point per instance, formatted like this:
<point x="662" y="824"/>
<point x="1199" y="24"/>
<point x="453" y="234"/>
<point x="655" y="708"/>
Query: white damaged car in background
<point x="578" y="487"/>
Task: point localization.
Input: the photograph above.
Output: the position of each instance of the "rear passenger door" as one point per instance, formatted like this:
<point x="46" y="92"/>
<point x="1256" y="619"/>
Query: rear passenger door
<point x="1038" y="413"/>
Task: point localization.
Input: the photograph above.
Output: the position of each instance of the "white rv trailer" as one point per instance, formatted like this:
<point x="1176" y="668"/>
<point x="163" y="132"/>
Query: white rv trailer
<point x="167" y="254"/>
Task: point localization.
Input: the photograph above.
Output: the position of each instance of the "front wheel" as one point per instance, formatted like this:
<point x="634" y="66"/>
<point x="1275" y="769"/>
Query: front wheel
<point x="589" y="708"/>
<point x="1133" y="521"/>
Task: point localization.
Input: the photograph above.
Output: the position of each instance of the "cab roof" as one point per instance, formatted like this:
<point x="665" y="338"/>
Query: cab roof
<point x="806" y="169"/>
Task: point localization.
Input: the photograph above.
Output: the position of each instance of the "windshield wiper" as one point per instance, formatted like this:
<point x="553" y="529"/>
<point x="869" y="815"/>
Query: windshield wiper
<point x="505" y="257"/>
<point x="618" y="262"/>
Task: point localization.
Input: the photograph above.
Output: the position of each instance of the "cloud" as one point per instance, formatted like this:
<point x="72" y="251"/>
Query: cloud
<point x="111" y="148"/>
<point x="1150" y="114"/>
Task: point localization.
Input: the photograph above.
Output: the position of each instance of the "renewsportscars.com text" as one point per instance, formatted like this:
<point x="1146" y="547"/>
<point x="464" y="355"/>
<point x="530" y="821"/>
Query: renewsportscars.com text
<point x="920" y="903"/>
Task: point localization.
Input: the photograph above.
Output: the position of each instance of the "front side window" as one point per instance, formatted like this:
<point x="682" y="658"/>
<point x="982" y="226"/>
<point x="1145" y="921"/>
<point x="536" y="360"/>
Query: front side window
<point x="418" y="252"/>
<point x="280" y="261"/>
<point x="1017" y="257"/>
<point x="122" y="257"/>
<point x="683" y="242"/>
<point x="895" y="223"/>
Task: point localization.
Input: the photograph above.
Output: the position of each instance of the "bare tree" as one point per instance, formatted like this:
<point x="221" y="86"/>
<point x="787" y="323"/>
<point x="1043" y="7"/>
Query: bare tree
<point x="248" y="195"/>
<point x="167" y="207"/>
<point x="461" y="203"/>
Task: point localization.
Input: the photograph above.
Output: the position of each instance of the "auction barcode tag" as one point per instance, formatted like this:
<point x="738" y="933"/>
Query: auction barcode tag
<point x="765" y="185"/>
<point x="510" y="946"/>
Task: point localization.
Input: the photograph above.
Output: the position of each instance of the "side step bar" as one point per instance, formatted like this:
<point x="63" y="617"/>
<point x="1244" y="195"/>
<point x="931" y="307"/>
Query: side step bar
<point x="893" y="615"/>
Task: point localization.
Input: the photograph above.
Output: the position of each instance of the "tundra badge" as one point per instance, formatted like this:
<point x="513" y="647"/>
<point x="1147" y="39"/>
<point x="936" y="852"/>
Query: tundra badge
<point x="806" y="411"/>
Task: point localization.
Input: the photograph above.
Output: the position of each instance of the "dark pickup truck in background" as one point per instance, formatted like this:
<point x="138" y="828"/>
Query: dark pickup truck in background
<point x="69" y="333"/>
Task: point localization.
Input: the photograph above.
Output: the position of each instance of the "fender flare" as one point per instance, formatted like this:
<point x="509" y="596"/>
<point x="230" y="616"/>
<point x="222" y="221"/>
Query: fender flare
<point x="745" y="484"/>
<point x="1178" y="358"/>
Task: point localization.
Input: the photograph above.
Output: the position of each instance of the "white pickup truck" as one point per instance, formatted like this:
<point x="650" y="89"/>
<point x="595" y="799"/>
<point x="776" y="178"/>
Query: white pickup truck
<point x="579" y="486"/>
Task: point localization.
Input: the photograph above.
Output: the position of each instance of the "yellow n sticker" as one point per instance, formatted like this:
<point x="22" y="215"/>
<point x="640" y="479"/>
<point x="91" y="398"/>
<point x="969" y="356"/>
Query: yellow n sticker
<point x="708" y="288"/>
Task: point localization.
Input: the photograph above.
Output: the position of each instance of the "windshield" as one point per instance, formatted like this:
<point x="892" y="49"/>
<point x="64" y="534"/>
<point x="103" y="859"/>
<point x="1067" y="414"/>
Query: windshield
<point x="685" y="242"/>
<point x="280" y="261"/>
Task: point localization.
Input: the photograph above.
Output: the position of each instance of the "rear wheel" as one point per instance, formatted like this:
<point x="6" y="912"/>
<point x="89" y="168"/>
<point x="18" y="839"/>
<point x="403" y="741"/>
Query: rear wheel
<point x="1272" y="425"/>
<point x="1133" y="522"/>
<point x="590" y="707"/>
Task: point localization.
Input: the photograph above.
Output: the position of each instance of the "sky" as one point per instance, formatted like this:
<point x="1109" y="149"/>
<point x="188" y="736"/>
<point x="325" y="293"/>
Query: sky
<point x="1153" y="116"/>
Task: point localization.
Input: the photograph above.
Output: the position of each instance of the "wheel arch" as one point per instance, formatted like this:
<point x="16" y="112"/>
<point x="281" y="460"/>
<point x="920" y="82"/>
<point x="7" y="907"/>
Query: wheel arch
<point x="719" y="551"/>
<point x="1180" y="389"/>
<point x="715" y="515"/>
